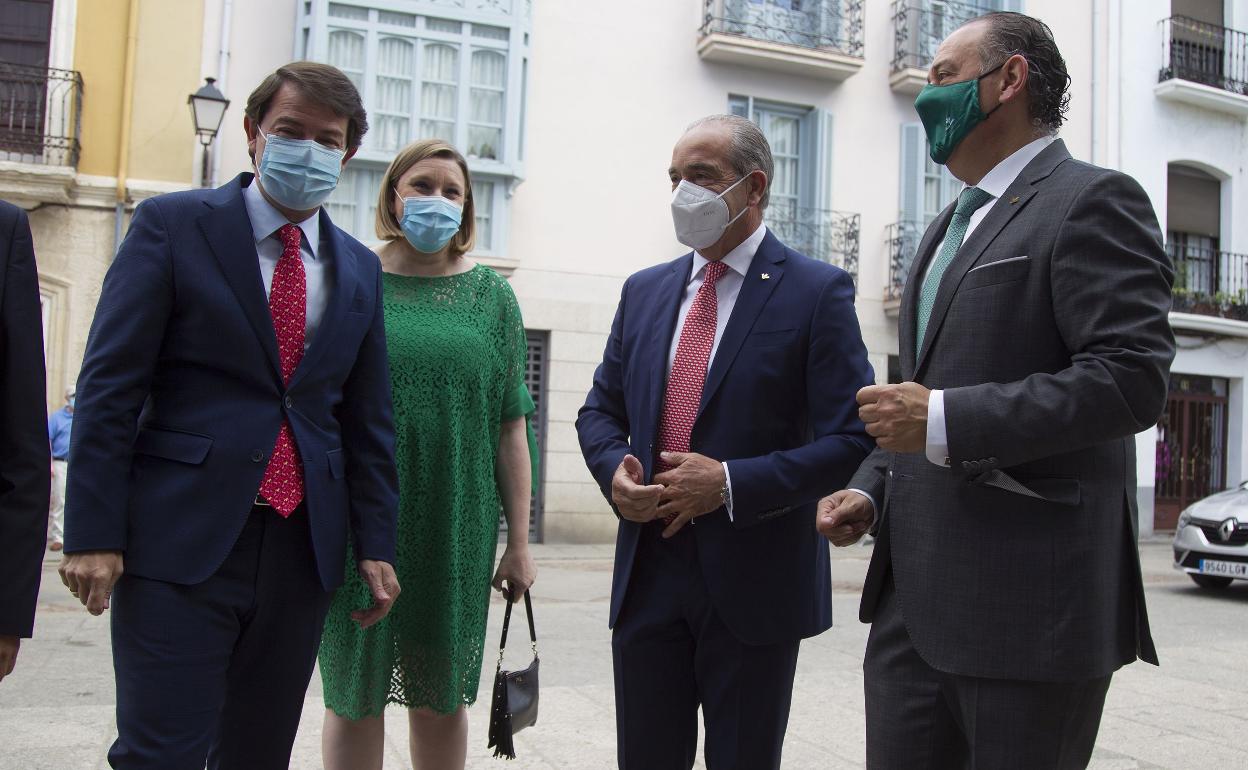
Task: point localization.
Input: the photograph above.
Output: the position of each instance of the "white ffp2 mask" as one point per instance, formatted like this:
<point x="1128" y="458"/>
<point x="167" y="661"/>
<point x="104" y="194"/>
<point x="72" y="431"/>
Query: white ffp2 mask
<point x="700" y="215"/>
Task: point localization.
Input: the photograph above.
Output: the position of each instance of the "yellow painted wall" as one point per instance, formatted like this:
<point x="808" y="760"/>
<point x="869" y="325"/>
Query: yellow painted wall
<point x="100" y="55"/>
<point x="167" y="66"/>
<point x="166" y="71"/>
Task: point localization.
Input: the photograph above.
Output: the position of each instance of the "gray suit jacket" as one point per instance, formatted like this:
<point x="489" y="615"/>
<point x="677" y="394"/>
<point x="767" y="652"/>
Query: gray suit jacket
<point x="1050" y="338"/>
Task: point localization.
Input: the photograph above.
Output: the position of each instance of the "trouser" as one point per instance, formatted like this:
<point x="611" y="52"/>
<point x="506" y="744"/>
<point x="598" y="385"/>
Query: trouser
<point x="217" y="671"/>
<point x="918" y="717"/>
<point x="673" y="653"/>
<point x="56" y="511"/>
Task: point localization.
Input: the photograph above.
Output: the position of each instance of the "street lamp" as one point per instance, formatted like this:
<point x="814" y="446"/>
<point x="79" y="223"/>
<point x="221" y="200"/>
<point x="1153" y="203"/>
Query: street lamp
<point x="207" y="109"/>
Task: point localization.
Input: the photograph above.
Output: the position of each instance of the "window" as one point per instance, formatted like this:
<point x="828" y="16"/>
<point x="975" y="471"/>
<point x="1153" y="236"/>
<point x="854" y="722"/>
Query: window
<point x="926" y="187"/>
<point x="800" y="210"/>
<point x="535" y="379"/>
<point x="458" y="76"/>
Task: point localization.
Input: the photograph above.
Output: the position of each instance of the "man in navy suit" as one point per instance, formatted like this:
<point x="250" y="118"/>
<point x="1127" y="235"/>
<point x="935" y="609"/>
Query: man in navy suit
<point x="722" y="410"/>
<point x="24" y="460"/>
<point x="232" y="433"/>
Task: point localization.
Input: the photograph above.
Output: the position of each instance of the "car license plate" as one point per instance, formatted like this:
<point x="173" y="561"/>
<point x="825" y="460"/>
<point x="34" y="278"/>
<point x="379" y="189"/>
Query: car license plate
<point x="1224" y="568"/>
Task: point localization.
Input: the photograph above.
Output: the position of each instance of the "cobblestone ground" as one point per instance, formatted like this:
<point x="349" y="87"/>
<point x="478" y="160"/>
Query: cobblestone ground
<point x="56" y="710"/>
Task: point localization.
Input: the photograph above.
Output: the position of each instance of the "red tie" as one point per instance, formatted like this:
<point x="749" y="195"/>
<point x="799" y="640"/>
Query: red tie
<point x="693" y="354"/>
<point x="282" y="486"/>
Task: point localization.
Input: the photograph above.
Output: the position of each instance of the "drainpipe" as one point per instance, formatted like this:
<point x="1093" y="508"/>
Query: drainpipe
<point x="1097" y="55"/>
<point x="127" y="104"/>
<point x="223" y="69"/>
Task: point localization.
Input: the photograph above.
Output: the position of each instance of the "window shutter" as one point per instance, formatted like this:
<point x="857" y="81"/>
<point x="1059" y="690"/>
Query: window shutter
<point x="816" y="139"/>
<point x="913" y="153"/>
<point x="1011" y="5"/>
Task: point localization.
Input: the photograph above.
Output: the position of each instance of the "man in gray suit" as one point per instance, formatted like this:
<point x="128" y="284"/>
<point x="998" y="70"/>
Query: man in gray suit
<point x="1005" y="587"/>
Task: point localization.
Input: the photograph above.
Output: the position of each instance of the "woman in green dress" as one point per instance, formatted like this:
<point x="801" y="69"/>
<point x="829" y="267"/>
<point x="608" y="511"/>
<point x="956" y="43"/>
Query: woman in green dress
<point x="457" y="358"/>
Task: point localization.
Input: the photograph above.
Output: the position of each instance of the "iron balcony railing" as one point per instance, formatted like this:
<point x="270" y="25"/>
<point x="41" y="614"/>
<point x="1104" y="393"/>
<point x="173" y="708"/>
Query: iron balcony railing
<point x="1210" y="282"/>
<point x="40" y="115"/>
<point x="919" y="26"/>
<point x="1205" y="53"/>
<point x="903" y="244"/>
<point x="829" y="236"/>
<point x="834" y="25"/>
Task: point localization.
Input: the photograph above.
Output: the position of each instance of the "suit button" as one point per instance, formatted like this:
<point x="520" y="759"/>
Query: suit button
<point x="289" y="402"/>
<point x="992" y="461"/>
<point x="966" y="465"/>
<point x="257" y="456"/>
<point x="890" y="474"/>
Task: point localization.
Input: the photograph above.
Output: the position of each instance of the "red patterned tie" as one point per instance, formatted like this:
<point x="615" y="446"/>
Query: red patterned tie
<point x="282" y="486"/>
<point x="693" y="354"/>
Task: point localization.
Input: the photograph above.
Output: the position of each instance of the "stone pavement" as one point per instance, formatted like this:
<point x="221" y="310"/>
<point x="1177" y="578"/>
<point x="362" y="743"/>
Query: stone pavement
<point x="56" y="710"/>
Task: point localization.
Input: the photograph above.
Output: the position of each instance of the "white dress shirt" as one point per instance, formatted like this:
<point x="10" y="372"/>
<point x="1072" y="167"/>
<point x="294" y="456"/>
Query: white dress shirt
<point x="726" y="290"/>
<point x="995" y="183"/>
<point x="265" y="222"/>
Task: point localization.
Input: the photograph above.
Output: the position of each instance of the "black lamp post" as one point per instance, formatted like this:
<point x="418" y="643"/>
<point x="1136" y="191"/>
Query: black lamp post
<point x="207" y="109"/>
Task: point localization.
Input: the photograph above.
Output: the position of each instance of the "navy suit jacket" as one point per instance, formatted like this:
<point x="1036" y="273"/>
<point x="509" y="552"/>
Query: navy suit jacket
<point x="180" y="398"/>
<point x="24" y="459"/>
<point x="778" y="405"/>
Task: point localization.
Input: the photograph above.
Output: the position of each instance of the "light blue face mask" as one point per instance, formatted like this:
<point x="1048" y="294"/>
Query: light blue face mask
<point x="298" y="173"/>
<point x="430" y="222"/>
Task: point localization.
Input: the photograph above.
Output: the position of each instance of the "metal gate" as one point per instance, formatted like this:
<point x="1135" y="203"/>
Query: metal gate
<point x="1191" y="446"/>
<point x="535" y="379"/>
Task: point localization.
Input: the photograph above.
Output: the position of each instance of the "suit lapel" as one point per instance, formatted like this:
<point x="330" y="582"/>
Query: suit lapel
<point x="670" y="292"/>
<point x="1003" y="210"/>
<point x="227" y="228"/>
<point x="755" y="290"/>
<point x="910" y="294"/>
<point x="342" y="262"/>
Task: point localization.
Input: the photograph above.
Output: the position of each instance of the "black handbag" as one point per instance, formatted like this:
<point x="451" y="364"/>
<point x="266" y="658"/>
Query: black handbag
<point x="514" y="705"/>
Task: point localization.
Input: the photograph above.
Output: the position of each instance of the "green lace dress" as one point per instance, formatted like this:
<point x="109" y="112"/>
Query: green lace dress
<point x="457" y="358"/>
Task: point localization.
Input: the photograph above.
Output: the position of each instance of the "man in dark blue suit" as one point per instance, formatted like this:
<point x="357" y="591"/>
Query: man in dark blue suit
<point x="725" y="398"/>
<point x="24" y="458"/>
<point x="233" y="432"/>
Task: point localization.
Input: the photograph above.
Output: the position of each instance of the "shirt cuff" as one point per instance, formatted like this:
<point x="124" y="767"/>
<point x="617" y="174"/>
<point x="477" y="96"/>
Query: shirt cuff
<point x="728" y="483"/>
<point x="937" y="437"/>
<point x="870" y="499"/>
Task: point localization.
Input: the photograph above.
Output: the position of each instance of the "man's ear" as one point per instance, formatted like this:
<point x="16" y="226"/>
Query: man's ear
<point x="758" y="187"/>
<point x="253" y="132"/>
<point x="349" y="154"/>
<point x="1014" y="75"/>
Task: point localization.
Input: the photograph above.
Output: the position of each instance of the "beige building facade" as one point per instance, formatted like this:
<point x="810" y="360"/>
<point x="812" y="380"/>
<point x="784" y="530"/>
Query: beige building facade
<point x="568" y="111"/>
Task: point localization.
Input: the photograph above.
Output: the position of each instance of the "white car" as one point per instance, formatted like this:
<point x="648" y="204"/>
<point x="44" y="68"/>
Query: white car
<point x="1211" y="542"/>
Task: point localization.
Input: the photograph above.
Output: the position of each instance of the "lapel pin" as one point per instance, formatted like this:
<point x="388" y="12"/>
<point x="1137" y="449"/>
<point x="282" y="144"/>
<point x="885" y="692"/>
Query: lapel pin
<point x="766" y="276"/>
<point x="1014" y="200"/>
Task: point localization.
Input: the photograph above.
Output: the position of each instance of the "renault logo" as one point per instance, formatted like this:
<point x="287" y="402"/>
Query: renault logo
<point x="1227" y="530"/>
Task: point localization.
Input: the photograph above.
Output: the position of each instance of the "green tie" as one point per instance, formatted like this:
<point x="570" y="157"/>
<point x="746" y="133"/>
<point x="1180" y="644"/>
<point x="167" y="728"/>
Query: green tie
<point x="968" y="203"/>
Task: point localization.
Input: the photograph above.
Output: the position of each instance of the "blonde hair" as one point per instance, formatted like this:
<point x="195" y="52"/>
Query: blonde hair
<point x="388" y="225"/>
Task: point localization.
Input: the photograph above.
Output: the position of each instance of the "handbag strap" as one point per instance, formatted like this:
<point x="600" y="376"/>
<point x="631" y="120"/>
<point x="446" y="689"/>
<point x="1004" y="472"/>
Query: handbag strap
<point x="528" y="608"/>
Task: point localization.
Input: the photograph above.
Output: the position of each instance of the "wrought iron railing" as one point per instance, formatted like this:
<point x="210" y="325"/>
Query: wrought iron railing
<point x="920" y="25"/>
<point x="834" y="25"/>
<point x="1205" y="53"/>
<point x="1210" y="282"/>
<point x="40" y="114"/>
<point x="903" y="244"/>
<point x="829" y="236"/>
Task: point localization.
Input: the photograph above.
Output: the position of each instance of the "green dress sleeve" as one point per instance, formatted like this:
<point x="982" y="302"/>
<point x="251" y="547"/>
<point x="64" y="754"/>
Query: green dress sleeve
<point x="517" y="401"/>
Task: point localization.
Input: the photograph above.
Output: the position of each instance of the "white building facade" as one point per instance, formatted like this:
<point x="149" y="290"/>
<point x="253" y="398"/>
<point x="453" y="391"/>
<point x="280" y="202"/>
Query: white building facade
<point x="568" y="112"/>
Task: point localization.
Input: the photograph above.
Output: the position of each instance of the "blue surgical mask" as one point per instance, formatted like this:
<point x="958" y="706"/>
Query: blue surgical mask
<point x="299" y="174"/>
<point x="430" y="222"/>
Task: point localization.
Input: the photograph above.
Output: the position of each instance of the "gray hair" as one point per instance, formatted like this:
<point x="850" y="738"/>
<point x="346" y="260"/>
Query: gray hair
<point x="748" y="150"/>
<point x="1048" y="82"/>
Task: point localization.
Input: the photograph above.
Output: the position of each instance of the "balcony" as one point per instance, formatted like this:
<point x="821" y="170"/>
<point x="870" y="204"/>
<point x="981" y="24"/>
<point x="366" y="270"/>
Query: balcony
<point x="1204" y="65"/>
<point x="919" y="26"/>
<point x="828" y="236"/>
<point x="903" y="243"/>
<point x="40" y="118"/>
<point x="815" y="38"/>
<point x="1209" y="282"/>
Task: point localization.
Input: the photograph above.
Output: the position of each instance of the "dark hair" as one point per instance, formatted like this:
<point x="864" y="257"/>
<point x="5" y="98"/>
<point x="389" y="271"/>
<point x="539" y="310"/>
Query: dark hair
<point x="1048" y="82"/>
<point x="319" y="82"/>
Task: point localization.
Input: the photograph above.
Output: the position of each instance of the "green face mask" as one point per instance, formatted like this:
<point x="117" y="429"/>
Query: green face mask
<point x="950" y="112"/>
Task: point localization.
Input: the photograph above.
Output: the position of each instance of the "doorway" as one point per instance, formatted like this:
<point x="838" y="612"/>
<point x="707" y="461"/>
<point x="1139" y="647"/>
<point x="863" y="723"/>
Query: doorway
<point x="1191" y="445"/>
